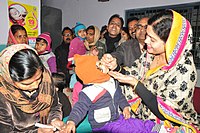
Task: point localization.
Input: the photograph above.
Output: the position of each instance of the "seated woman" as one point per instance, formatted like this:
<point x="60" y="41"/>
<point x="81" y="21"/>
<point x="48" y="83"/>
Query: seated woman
<point x="163" y="78"/>
<point x="17" y="35"/>
<point x="27" y="94"/>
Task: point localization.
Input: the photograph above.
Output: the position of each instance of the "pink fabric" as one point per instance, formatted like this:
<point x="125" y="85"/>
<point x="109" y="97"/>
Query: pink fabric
<point x="52" y="64"/>
<point x="166" y="109"/>
<point x="77" y="88"/>
<point x="11" y="38"/>
<point x="76" y="47"/>
<point x="196" y="99"/>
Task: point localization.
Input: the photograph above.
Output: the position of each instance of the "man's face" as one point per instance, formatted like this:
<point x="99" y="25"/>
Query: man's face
<point x="90" y="36"/>
<point x="141" y="30"/>
<point x="114" y="27"/>
<point x="67" y="36"/>
<point x="132" y="28"/>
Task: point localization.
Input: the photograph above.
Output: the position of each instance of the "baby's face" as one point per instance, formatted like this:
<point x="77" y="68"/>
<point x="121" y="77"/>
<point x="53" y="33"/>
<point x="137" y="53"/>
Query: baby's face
<point x="15" y="14"/>
<point x="82" y="33"/>
<point x="102" y="67"/>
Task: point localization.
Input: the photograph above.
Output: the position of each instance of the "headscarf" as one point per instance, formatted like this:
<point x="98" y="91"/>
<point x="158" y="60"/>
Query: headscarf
<point x="178" y="40"/>
<point x="44" y="100"/>
<point x="96" y="38"/>
<point x="86" y="70"/>
<point x="96" y="35"/>
<point x="11" y="38"/>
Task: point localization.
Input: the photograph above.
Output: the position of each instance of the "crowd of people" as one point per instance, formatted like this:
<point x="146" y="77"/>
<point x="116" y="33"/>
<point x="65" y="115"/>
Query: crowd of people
<point x="139" y="78"/>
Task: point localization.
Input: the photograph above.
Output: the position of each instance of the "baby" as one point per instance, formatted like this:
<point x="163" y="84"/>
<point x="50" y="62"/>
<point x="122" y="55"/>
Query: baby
<point x="17" y="14"/>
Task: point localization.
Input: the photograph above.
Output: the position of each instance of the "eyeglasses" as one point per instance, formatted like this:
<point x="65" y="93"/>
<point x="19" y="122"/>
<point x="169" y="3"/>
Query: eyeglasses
<point x="66" y="35"/>
<point x="139" y="26"/>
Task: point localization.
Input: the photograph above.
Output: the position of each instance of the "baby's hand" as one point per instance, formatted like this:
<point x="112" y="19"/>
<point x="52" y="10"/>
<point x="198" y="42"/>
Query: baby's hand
<point x="126" y="112"/>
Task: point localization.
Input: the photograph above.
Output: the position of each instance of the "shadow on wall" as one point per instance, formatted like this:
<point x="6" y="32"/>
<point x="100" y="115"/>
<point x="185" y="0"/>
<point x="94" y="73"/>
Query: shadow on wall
<point x="51" y="21"/>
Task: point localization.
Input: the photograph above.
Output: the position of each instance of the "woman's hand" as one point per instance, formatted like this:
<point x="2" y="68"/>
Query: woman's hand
<point x="57" y="123"/>
<point x="128" y="79"/>
<point x="94" y="51"/>
<point x="69" y="127"/>
<point x="126" y="112"/>
<point x="45" y="130"/>
<point x="109" y="61"/>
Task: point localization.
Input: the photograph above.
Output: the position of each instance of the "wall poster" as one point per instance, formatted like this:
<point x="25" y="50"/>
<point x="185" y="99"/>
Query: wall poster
<point x="24" y="15"/>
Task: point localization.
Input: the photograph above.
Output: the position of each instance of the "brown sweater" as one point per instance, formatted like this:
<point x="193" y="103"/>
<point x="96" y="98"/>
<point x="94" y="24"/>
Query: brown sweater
<point x="12" y="119"/>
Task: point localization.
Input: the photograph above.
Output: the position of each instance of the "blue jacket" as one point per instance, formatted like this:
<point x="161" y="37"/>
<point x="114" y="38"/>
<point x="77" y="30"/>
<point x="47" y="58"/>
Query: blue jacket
<point x="101" y="102"/>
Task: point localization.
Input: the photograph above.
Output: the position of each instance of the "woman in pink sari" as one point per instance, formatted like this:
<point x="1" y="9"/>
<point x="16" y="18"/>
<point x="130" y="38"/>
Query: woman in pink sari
<point x="17" y="35"/>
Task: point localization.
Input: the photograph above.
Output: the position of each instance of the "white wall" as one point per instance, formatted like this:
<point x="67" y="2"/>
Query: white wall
<point x="97" y="13"/>
<point x="4" y="26"/>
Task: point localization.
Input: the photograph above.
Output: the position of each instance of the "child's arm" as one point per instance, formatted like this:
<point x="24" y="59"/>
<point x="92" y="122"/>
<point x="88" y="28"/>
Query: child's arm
<point x="52" y="64"/>
<point x="123" y="104"/>
<point x="80" y="109"/>
<point x="126" y="112"/>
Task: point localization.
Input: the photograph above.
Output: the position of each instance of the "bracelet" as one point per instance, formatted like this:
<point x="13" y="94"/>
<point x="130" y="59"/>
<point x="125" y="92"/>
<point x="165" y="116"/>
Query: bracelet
<point x="133" y="87"/>
<point x="54" y="119"/>
<point x="129" y="108"/>
<point x="120" y="69"/>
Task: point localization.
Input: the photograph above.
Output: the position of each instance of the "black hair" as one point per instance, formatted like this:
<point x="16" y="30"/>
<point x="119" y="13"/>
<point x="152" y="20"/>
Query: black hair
<point x="15" y="28"/>
<point x="39" y="39"/>
<point x="90" y="27"/>
<point x="24" y="64"/>
<point x="11" y="18"/>
<point x="131" y="19"/>
<point x="125" y="29"/>
<point x="66" y="28"/>
<point x="103" y="28"/>
<point x="59" y="80"/>
<point x="162" y="23"/>
<point x="116" y="16"/>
